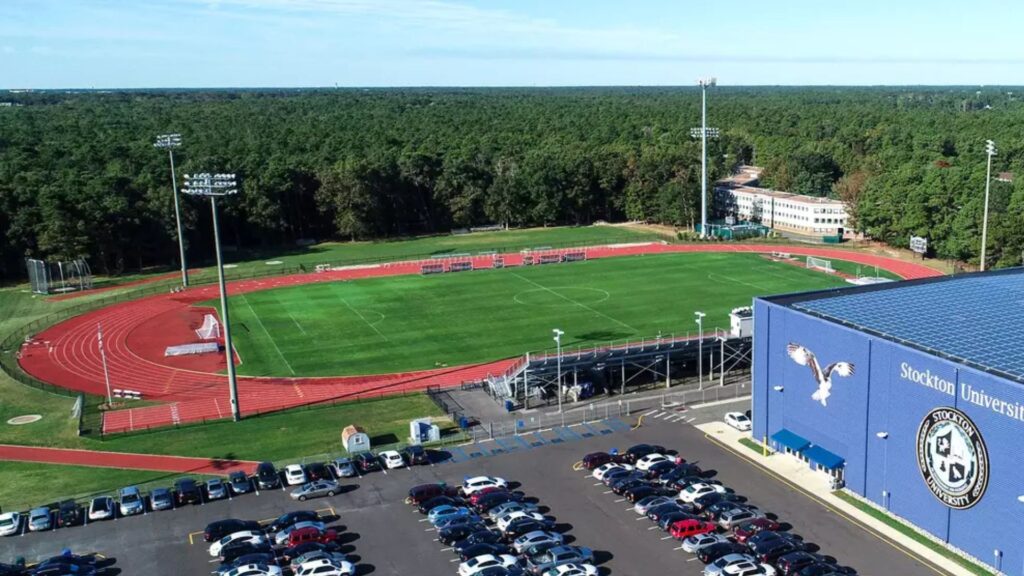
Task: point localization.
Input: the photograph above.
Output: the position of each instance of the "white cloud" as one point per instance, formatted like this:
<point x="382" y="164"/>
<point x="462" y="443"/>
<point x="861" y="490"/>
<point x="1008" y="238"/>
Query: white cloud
<point x="7" y="49"/>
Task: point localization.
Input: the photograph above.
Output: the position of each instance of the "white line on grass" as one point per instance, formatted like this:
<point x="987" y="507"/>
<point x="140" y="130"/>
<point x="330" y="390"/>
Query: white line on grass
<point x="264" y="328"/>
<point x="580" y="304"/>
<point x="363" y="318"/>
<point x="297" y="325"/>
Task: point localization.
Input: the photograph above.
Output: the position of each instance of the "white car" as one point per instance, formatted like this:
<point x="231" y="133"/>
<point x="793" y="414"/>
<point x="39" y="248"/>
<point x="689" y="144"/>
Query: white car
<point x="473" y="485"/>
<point x="10" y="523"/>
<point x="250" y="536"/>
<point x="507" y="519"/>
<point x="749" y="569"/>
<point x="102" y="508"/>
<point x="326" y="567"/>
<point x="392" y="459"/>
<point x="697" y="542"/>
<point x="281" y="538"/>
<point x="474" y="565"/>
<point x="738" y="420"/>
<point x="294" y="475"/>
<point x="717" y="568"/>
<point x="600" y="472"/>
<point x="536" y="537"/>
<point x="574" y="569"/>
<point x="646" y="462"/>
<point x="254" y="570"/>
<point x="694" y="491"/>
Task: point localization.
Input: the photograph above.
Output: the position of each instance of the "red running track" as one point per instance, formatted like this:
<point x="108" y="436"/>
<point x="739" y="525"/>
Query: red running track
<point x="67" y="354"/>
<point x="175" y="464"/>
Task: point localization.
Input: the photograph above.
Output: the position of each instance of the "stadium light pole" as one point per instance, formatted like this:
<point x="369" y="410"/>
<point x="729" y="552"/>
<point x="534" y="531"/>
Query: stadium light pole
<point x="213" y="186"/>
<point x="558" y="343"/>
<point x="884" y="437"/>
<point x="703" y="131"/>
<point x="990" y="151"/>
<point x="699" y="318"/>
<point x="169" y="142"/>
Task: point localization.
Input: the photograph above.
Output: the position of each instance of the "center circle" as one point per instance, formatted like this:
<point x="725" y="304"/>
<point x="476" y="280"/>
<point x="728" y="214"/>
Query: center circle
<point x="561" y="296"/>
<point x="26" y="419"/>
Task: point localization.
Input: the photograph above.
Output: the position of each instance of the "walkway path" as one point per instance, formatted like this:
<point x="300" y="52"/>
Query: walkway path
<point x="175" y="464"/>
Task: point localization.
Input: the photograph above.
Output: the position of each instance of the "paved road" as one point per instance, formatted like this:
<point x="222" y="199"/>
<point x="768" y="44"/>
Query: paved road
<point x="387" y="537"/>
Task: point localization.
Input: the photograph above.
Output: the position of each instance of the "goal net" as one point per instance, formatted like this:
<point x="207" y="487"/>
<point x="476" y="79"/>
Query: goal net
<point x="820" y="264"/>
<point x="210" y="328"/>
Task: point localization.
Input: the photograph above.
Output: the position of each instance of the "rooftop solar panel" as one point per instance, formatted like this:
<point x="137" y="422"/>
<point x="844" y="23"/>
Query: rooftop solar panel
<point x="977" y="319"/>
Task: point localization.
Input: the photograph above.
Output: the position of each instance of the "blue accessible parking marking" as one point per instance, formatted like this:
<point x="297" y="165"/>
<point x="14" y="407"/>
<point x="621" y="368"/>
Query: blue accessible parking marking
<point x="616" y="424"/>
<point x="506" y="445"/>
<point x="523" y="443"/>
<point x="537" y="440"/>
<point x="458" y="454"/>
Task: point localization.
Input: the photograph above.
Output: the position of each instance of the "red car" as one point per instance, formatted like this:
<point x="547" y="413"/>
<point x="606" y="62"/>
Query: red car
<point x="748" y="529"/>
<point x="311" y="534"/>
<point x="595" y="459"/>
<point x="683" y="529"/>
<point x="423" y="492"/>
<point x="475" y="497"/>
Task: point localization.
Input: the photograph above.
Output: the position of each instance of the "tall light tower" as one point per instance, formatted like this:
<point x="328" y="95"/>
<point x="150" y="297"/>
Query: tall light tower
<point x="214" y="186"/>
<point x="990" y="150"/>
<point x="558" y="343"/>
<point x="699" y="318"/>
<point x="703" y="132"/>
<point x="169" y="142"/>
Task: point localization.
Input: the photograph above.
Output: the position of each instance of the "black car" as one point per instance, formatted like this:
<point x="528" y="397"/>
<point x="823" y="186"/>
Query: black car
<point x="366" y="461"/>
<point x="317" y="471"/>
<point x="792" y="563"/>
<point x="186" y="491"/>
<point x="254" y="558"/>
<point x="826" y="569"/>
<point x="684" y="482"/>
<point x="521" y="526"/>
<point x="239" y="482"/>
<point x="538" y="549"/>
<point x="638" y="451"/>
<point x="428" y="505"/>
<point x="715" y="511"/>
<point x="667" y="520"/>
<point x="638" y="493"/>
<point x="655" y="514"/>
<point x="221" y="528"/>
<point x="478" y="537"/>
<point x="453" y="534"/>
<point x="285" y="520"/>
<point x="267" y="476"/>
<point x="294" y="552"/>
<point x="492" y="499"/>
<point x="69" y="513"/>
<point x="709" y="554"/>
<point x="234" y="550"/>
<point x="614" y="474"/>
<point x="66" y="561"/>
<point x="681" y="471"/>
<point x="483" y="548"/>
<point x="660" y="468"/>
<point x="12" y="570"/>
<point x="772" y="550"/>
<point x="619" y="488"/>
<point x="766" y="535"/>
<point x="713" y="498"/>
<point x="625" y="478"/>
<point x="415" y="455"/>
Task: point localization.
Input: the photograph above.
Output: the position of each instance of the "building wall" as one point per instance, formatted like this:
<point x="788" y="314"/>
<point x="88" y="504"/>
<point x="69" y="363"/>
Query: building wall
<point x="878" y="398"/>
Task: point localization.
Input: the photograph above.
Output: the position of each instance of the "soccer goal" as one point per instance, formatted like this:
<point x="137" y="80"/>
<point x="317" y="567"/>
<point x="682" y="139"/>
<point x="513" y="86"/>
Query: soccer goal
<point x="820" y="264"/>
<point x="210" y="328"/>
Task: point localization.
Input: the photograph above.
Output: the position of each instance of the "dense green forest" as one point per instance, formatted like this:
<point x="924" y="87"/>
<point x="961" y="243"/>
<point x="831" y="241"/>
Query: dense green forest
<point x="79" y="175"/>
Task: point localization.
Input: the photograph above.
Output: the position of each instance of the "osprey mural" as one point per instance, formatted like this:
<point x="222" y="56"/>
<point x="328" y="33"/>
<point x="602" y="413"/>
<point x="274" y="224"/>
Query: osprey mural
<point x="805" y="357"/>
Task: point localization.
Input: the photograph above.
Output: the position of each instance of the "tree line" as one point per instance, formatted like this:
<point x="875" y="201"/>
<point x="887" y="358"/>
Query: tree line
<point x="79" y="176"/>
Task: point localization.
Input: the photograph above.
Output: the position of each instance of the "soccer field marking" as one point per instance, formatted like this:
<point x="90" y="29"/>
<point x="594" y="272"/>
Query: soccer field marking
<point x="518" y="300"/>
<point x="727" y="279"/>
<point x="580" y="304"/>
<point x="264" y="328"/>
<point x="367" y="322"/>
<point x="297" y="325"/>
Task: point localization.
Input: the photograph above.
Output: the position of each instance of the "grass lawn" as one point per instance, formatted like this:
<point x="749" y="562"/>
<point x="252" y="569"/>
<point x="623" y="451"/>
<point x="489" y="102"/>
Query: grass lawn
<point x="854" y="269"/>
<point x="913" y="534"/>
<point x="414" y="322"/>
<point x="753" y="445"/>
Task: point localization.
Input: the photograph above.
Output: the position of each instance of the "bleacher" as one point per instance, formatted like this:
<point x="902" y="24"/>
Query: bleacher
<point x="432" y="268"/>
<point x="460" y="266"/>
<point x="575" y="256"/>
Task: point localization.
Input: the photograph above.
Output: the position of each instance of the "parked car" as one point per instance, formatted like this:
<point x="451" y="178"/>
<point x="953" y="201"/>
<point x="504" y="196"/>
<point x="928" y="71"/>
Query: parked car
<point x="453" y="534"/>
<point x="40" y="519"/>
<point x="325" y="567"/>
<point x="731" y="562"/>
<point x="738" y="420"/>
<point x="638" y="451"/>
<point x="315" y="489"/>
<point x="267" y="476"/>
<point x="311" y="534"/>
<point x="221" y="528"/>
<point x="747" y="529"/>
<point x="474" y="550"/>
<point x="392" y="459"/>
<point x="294" y="552"/>
<point x="504" y="521"/>
<point x="573" y="569"/>
<point x="685" y="528"/>
<point x="415" y="455"/>
<point x="366" y="461"/>
<point x="484" y="536"/>
<point x="827" y="569"/>
<point x="595" y="460"/>
<point x="186" y="491"/>
<point x="281" y="537"/>
<point x="427" y="505"/>
<point x="295" y="563"/>
<point x="645" y="462"/>
<point x="342" y="468"/>
<point x="474" y="566"/>
<point x="792" y="563"/>
<point x="259" y="558"/>
<point x="294" y="475"/>
<point x="10" y="523"/>
<point x="521" y="526"/>
<point x="423" y="492"/>
<point x="536" y="537"/>
<point x="447" y="511"/>
<point x="600" y="472"/>
<point x="69" y="513"/>
<point x="317" y="471"/>
<point x="289" y="518"/>
<point x="694" y="491"/>
<point x="239" y="482"/>
<point x="254" y="570"/>
<point x="558" y="555"/>
<point x="737" y="516"/>
<point x="509" y="507"/>
<point x="477" y="483"/>
<point x="102" y="508"/>
<point x="655" y="513"/>
<point x="644" y="504"/>
<point x="236" y="550"/>
<point x="486" y="502"/>
<point x="749" y="569"/>
<point x="161" y="499"/>
<point x="235" y="538"/>
<point x="130" y="501"/>
<point x="216" y="489"/>
<point x="772" y="550"/>
<point x="710" y="554"/>
<point x="694" y="543"/>
<point x="666" y="521"/>
<point x="712" y="498"/>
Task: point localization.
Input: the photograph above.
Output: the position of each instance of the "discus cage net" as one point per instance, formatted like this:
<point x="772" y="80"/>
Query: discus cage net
<point x="58" y="277"/>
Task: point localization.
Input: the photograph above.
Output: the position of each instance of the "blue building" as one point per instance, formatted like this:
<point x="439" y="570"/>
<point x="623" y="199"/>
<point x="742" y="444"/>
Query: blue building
<point x="911" y="393"/>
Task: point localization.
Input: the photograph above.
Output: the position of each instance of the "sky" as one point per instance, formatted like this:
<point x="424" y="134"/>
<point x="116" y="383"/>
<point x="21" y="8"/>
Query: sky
<point x="307" y="43"/>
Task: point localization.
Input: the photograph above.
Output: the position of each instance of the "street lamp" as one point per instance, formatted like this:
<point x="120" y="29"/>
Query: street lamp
<point x="558" y="343"/>
<point x="213" y="186"/>
<point x="169" y="142"/>
<point x="778" y="388"/>
<point x="704" y="132"/>
<point x="699" y="317"/>
<point x="1020" y="498"/>
<point x="990" y="151"/>
<point x="884" y="436"/>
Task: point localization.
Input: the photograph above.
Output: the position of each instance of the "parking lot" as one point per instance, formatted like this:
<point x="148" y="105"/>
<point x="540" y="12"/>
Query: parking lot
<point x="386" y="536"/>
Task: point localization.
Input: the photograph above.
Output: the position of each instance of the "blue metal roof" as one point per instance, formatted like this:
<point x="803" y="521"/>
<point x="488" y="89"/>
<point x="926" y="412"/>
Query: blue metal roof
<point x="790" y="440"/>
<point x="823" y="458"/>
<point x="976" y="319"/>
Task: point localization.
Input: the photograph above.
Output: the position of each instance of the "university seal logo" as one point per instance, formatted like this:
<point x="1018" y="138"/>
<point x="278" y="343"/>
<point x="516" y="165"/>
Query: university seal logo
<point x="952" y="457"/>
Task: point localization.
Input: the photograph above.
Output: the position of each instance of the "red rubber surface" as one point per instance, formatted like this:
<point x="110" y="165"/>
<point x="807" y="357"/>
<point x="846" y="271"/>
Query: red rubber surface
<point x="175" y="464"/>
<point x="135" y="334"/>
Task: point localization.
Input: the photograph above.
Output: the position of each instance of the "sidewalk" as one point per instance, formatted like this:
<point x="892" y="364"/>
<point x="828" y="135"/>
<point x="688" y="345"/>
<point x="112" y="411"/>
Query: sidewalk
<point x="798" y="475"/>
<point x="176" y="464"/>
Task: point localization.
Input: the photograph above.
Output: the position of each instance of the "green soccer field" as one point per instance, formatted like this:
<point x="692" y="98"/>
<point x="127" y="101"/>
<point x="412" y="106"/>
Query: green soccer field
<point x="403" y="323"/>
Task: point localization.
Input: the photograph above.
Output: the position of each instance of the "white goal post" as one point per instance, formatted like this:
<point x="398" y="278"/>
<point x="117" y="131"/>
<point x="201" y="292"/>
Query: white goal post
<point x="820" y="264"/>
<point x="210" y="328"/>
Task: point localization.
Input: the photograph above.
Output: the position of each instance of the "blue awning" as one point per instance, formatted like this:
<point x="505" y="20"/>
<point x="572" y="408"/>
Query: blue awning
<point x="823" y="458"/>
<point x="790" y="440"/>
